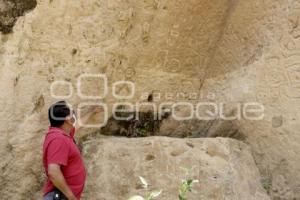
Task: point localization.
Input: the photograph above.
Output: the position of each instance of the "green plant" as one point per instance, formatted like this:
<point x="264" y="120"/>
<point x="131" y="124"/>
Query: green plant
<point x="186" y="185"/>
<point x="151" y="196"/>
<point x="267" y="184"/>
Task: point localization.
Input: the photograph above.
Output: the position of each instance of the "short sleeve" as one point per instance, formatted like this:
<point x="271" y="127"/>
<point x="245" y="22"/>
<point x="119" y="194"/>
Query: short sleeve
<point x="58" y="152"/>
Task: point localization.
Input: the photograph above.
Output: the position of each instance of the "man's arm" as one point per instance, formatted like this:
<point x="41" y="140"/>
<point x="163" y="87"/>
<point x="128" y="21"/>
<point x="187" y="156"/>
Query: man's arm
<point x="83" y="120"/>
<point x="58" y="180"/>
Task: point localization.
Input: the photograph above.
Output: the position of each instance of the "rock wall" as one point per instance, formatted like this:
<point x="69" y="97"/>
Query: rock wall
<point x="259" y="53"/>
<point x="241" y="51"/>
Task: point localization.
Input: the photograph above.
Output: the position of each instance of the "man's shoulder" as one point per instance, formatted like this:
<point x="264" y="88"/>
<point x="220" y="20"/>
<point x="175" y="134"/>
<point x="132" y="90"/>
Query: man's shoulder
<point x="56" y="138"/>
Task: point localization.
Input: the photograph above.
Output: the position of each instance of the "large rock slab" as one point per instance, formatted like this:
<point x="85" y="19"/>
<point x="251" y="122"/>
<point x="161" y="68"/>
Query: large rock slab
<point x="224" y="167"/>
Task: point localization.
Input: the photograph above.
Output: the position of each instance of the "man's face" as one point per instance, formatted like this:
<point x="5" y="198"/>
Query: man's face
<point x="71" y="119"/>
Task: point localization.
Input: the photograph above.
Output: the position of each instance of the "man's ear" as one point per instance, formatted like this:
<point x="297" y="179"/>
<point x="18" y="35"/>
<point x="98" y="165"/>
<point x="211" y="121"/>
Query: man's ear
<point x="68" y="120"/>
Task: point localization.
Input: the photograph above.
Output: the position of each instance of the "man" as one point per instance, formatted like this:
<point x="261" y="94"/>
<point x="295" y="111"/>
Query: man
<point x="62" y="161"/>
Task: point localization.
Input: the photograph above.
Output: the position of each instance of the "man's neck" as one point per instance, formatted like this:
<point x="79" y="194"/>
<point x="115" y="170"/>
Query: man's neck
<point x="66" y="129"/>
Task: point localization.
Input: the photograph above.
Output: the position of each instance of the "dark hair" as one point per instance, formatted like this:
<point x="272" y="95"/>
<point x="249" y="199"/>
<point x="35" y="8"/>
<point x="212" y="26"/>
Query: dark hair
<point x="57" y="113"/>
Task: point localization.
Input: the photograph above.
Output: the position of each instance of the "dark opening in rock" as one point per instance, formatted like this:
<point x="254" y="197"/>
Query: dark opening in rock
<point x="146" y="124"/>
<point x="10" y="10"/>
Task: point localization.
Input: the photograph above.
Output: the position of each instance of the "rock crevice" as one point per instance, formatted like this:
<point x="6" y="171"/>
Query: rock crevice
<point x="10" y="10"/>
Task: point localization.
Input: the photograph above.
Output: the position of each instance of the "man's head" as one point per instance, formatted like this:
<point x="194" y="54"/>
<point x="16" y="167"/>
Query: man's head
<point x="60" y="114"/>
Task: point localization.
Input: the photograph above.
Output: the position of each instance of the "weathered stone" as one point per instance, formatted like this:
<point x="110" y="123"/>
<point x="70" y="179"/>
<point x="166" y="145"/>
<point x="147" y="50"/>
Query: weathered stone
<point x="224" y="167"/>
<point x="277" y="121"/>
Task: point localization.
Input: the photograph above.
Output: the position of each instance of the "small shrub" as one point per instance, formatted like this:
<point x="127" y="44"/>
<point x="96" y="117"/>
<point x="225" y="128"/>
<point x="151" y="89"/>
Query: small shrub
<point x="267" y="184"/>
<point x="151" y="196"/>
<point x="185" y="187"/>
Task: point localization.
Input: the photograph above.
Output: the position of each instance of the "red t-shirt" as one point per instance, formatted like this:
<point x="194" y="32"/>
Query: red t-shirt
<point x="59" y="148"/>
